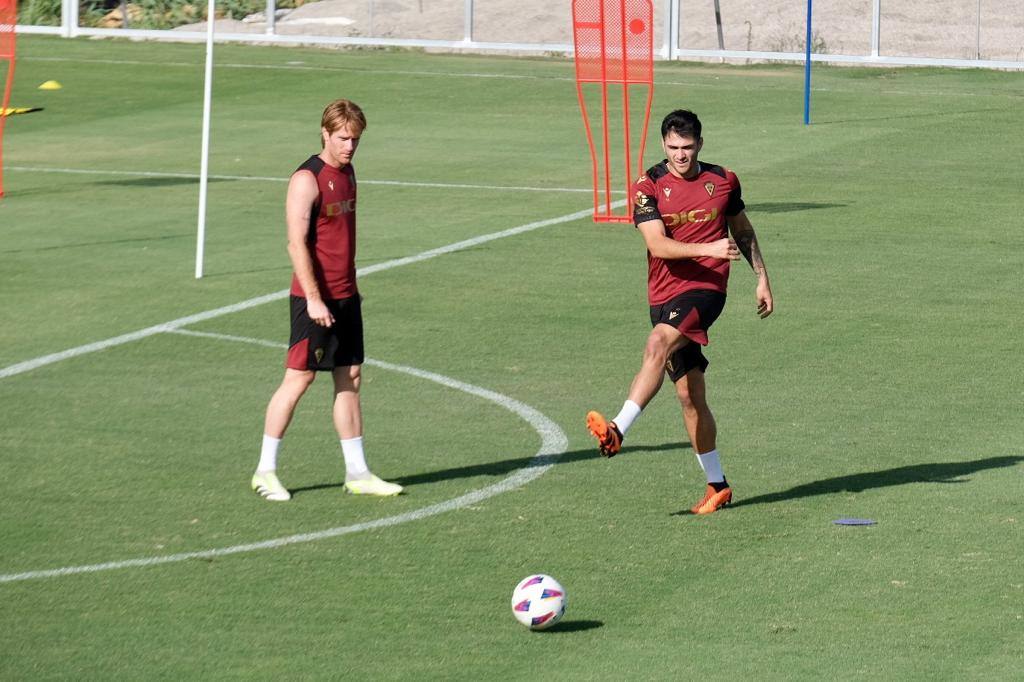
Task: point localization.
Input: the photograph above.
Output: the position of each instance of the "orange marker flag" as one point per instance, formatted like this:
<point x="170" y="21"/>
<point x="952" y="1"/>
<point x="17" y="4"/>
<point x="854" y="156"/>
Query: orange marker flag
<point x="8" y="19"/>
<point x="614" y="42"/>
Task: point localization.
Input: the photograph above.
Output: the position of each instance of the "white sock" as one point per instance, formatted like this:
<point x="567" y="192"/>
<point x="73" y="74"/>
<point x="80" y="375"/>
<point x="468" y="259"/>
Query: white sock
<point x="711" y="466"/>
<point x="268" y="454"/>
<point x="355" y="461"/>
<point x="624" y="419"/>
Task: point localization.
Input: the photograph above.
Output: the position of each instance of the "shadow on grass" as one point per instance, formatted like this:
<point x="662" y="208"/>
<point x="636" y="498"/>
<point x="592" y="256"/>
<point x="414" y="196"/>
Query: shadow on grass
<point x="790" y="206"/>
<point x="914" y="116"/>
<point x="503" y="467"/>
<point x="104" y="242"/>
<point x="938" y="472"/>
<point x="572" y="626"/>
<point x="172" y="181"/>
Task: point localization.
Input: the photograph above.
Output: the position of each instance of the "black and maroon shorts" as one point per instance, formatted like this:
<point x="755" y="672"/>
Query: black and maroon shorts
<point x="692" y="313"/>
<point x="317" y="348"/>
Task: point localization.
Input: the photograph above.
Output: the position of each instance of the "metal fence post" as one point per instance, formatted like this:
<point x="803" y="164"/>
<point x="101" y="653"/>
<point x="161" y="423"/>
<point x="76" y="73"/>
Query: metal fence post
<point x="666" y="30"/>
<point x="875" y="24"/>
<point x="65" y="18"/>
<point x="978" y="40"/>
<point x="468" y="29"/>
<point x="675" y="13"/>
<point x="271" y="16"/>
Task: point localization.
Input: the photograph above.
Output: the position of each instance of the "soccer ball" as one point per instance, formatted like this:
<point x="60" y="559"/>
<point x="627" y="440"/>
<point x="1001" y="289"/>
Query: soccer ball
<point x="539" y="601"/>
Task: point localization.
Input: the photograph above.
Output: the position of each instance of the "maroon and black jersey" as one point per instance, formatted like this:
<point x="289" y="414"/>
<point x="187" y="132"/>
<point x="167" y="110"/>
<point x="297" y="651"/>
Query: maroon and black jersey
<point x="694" y="211"/>
<point x="332" y="230"/>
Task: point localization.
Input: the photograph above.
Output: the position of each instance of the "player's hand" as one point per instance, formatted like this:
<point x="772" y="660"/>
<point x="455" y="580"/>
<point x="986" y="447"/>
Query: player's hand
<point x="319" y="313"/>
<point x="725" y="249"/>
<point x="765" y="302"/>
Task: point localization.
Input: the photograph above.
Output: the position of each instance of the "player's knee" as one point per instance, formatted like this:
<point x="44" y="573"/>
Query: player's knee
<point x="298" y="380"/>
<point x="691" y="394"/>
<point x="348" y="378"/>
<point x="685" y="397"/>
<point x="656" y="351"/>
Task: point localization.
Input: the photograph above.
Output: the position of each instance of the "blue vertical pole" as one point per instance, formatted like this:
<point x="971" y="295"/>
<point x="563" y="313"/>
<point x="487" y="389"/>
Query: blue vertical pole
<point x="807" y="69"/>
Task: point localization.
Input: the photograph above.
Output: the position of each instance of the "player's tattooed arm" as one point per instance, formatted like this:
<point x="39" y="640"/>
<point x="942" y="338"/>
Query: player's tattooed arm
<point x="746" y="239"/>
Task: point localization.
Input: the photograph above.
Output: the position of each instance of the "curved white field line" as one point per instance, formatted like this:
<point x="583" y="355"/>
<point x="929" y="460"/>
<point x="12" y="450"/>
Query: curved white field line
<point x="553" y="443"/>
<point x="35" y="363"/>
<point x="553" y="439"/>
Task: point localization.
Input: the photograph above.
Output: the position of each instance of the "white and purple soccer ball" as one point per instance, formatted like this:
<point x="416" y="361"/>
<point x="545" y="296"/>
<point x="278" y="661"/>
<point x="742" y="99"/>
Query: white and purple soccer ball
<point x="539" y="601"/>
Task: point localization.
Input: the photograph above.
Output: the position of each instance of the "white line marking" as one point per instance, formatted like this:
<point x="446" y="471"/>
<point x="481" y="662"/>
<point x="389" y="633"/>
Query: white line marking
<point x="263" y="178"/>
<point x="554" y="442"/>
<point x="302" y="67"/>
<point x="36" y="363"/>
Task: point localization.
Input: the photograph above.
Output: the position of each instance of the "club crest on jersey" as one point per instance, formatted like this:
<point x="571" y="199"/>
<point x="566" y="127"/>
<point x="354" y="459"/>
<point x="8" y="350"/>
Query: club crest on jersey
<point x="667" y="191"/>
<point x="710" y="187"/>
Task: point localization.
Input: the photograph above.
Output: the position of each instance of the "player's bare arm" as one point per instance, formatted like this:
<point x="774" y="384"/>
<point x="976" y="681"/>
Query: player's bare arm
<point x="302" y="194"/>
<point x="662" y="246"/>
<point x="746" y="239"/>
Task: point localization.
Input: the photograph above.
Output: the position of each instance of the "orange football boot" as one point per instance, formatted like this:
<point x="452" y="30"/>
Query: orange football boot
<point x="609" y="438"/>
<point x="713" y="500"/>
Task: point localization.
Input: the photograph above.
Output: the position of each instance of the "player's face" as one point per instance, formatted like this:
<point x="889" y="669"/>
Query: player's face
<point x="681" y="153"/>
<point x="340" y="146"/>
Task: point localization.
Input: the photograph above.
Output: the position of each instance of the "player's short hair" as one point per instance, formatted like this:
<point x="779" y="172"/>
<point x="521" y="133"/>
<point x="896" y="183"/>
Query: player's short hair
<point x="683" y="123"/>
<point x="341" y="113"/>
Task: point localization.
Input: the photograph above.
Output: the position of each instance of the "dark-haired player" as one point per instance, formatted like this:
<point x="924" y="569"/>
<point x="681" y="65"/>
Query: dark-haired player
<point x="327" y="323"/>
<point x="686" y="211"/>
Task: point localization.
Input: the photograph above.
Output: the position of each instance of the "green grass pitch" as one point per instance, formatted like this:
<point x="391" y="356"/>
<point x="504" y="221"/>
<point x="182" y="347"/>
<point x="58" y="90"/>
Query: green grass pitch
<point x="887" y="385"/>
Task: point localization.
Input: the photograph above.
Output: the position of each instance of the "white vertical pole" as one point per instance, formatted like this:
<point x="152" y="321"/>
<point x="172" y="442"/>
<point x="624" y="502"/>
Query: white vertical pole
<point x="69" y="18"/>
<point x="875" y="25"/>
<point x="666" y="51"/>
<point x="468" y="32"/>
<point x="271" y="16"/>
<point x="204" y="169"/>
<point x="676" y="11"/>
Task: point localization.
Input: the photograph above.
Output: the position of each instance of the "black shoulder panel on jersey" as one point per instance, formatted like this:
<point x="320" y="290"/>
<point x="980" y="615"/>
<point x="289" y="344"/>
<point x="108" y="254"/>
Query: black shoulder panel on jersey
<point x="657" y="171"/>
<point x="314" y="164"/>
<point x="712" y="168"/>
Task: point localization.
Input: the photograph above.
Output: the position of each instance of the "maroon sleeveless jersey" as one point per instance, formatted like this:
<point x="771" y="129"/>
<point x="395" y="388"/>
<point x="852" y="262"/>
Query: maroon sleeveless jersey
<point x="332" y="230"/>
<point x="694" y="211"/>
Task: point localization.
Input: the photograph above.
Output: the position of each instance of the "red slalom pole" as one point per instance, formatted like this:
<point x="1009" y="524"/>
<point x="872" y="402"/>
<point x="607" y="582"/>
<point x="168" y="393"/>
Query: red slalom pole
<point x="614" y="46"/>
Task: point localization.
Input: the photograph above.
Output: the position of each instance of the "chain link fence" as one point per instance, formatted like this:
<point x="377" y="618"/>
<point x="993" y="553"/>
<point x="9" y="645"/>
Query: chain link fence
<point x="987" y="33"/>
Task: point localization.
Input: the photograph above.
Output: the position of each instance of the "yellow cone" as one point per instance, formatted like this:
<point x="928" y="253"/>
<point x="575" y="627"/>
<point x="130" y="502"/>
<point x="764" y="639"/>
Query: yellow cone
<point x="51" y="85"/>
<point x="11" y="111"/>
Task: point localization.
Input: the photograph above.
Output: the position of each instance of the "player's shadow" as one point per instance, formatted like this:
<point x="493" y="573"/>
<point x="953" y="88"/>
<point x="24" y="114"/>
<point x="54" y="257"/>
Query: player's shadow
<point x="938" y="472"/>
<point x="157" y="181"/>
<point x="103" y="242"/>
<point x="790" y="206"/>
<point x="507" y="466"/>
<point x="504" y="467"/>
